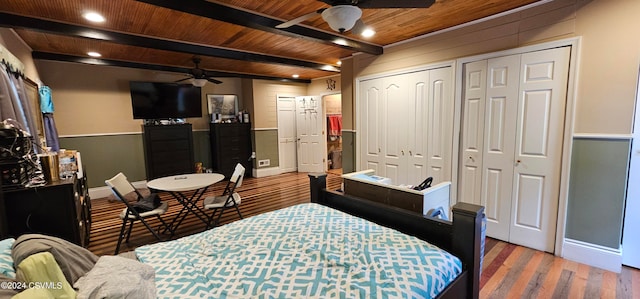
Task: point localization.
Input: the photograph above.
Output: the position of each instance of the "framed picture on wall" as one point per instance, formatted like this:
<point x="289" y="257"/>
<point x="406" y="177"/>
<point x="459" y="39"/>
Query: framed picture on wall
<point x="224" y="104"/>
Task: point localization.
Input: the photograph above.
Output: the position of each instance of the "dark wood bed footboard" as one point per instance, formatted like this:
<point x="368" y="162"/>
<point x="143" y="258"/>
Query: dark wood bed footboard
<point x="461" y="237"/>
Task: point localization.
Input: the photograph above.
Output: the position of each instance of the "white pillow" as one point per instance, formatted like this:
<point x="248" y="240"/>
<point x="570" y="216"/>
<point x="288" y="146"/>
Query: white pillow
<point x="6" y="261"/>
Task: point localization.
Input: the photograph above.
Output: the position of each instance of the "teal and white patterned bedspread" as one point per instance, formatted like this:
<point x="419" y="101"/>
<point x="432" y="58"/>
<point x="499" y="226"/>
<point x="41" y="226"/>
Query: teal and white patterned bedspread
<point x="304" y="251"/>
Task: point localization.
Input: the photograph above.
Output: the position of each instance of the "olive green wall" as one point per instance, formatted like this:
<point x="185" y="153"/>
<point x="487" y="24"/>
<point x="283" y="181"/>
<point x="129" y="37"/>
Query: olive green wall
<point x="105" y="155"/>
<point x="202" y="148"/>
<point x="348" y="151"/>
<point x="265" y="144"/>
<point x="597" y="191"/>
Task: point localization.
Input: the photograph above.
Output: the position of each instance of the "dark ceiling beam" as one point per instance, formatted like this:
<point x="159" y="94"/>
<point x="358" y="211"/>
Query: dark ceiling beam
<point x="232" y="15"/>
<point x="16" y="21"/>
<point x="153" y="67"/>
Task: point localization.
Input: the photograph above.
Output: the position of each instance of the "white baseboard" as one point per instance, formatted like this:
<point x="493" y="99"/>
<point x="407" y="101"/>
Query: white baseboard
<point x="593" y="255"/>
<point x="100" y="192"/>
<point x="268" y="171"/>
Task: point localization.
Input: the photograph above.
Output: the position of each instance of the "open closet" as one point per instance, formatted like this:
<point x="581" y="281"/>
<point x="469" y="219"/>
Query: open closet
<point x="333" y="106"/>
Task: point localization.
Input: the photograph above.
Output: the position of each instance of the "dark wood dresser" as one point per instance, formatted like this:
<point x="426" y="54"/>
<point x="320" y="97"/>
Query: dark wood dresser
<point x="61" y="209"/>
<point x="230" y="144"/>
<point x="168" y="150"/>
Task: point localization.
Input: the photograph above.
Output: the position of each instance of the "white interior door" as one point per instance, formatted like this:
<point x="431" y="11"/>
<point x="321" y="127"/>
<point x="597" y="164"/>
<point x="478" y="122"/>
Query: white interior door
<point x="499" y="138"/>
<point x="310" y="132"/>
<point x="394" y="133"/>
<point x="631" y="235"/>
<point x="287" y="150"/>
<point x="538" y="153"/>
<point x="371" y="94"/>
<point x="405" y="125"/>
<point x="439" y="140"/>
<point x="472" y="127"/>
<point x="521" y="141"/>
<point x="418" y="127"/>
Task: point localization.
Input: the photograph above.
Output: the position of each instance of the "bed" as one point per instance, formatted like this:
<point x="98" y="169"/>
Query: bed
<point x="335" y="246"/>
<point x="461" y="237"/>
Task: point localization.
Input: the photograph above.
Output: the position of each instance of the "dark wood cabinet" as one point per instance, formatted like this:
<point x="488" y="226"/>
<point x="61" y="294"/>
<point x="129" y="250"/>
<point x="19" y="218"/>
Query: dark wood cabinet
<point x="168" y="150"/>
<point x="61" y="209"/>
<point x="230" y="144"/>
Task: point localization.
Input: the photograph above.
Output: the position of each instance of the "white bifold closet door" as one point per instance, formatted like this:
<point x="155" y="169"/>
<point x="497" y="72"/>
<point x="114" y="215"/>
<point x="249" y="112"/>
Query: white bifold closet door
<point x="511" y="143"/>
<point x="405" y="126"/>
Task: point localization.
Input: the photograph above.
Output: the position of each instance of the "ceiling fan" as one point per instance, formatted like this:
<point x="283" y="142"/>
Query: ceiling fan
<point x="344" y="15"/>
<point x="198" y="75"/>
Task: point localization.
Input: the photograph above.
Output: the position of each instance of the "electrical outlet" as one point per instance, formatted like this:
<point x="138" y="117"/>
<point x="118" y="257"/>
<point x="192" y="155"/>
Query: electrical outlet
<point x="265" y="162"/>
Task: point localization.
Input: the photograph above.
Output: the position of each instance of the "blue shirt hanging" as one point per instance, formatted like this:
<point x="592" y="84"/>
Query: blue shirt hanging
<point x="46" y="103"/>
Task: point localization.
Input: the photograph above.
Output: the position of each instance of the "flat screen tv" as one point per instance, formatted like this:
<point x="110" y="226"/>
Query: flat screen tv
<point x="153" y="100"/>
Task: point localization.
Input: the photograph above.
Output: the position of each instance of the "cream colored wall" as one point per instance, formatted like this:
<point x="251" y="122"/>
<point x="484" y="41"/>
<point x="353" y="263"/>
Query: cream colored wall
<point x="18" y="48"/>
<point x="96" y="99"/>
<point x="608" y="62"/>
<point x="610" y="56"/>
<point x="247" y="98"/>
<point x="333" y="104"/>
<point x="265" y="95"/>
<point x="348" y="92"/>
<point x="322" y="86"/>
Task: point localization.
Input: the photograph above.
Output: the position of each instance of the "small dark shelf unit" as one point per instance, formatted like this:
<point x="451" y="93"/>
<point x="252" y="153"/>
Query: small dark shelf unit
<point x="230" y="144"/>
<point x="168" y="150"/>
<point x="60" y="209"/>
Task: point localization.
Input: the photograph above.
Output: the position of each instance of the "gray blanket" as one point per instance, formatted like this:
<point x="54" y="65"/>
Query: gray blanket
<point x="74" y="260"/>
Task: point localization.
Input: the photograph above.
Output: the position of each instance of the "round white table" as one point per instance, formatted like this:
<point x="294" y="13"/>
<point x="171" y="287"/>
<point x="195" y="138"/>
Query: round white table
<point x="178" y="185"/>
<point x="185" y="182"/>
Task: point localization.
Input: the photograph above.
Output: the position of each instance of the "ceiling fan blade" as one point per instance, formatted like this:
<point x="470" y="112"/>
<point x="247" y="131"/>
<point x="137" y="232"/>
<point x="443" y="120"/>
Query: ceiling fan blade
<point x="188" y="78"/>
<point x="395" y="3"/>
<point x="214" y="81"/>
<point x="300" y="19"/>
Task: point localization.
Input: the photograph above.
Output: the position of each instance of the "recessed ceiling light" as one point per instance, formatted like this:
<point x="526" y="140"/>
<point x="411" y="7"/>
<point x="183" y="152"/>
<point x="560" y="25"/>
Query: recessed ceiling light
<point x="94" y="17"/>
<point x="368" y="32"/>
<point x="295" y="75"/>
<point x="94" y="54"/>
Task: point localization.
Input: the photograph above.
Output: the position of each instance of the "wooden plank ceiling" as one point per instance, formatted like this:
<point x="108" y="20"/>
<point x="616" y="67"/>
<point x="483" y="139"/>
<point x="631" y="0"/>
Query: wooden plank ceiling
<point x="234" y="38"/>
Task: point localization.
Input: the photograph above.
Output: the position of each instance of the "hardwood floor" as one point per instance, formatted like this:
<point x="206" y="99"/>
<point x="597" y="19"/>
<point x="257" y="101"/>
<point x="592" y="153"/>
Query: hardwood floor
<point x="509" y="271"/>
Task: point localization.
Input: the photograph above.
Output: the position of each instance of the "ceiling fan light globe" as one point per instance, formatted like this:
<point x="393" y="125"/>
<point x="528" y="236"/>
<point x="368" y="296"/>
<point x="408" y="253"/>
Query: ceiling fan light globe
<point x="342" y="17"/>
<point x="199" y="82"/>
